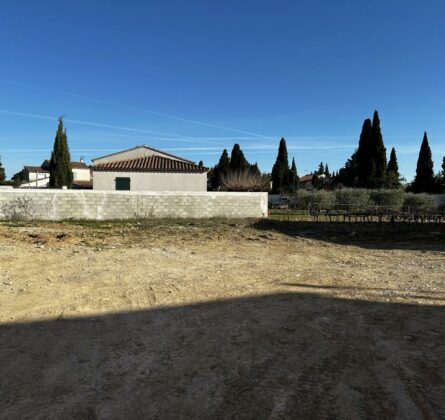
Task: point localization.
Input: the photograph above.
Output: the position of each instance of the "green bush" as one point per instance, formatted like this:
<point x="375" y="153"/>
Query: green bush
<point x="325" y="199"/>
<point x="349" y="198"/>
<point x="418" y="200"/>
<point x="393" y="198"/>
<point x="356" y="197"/>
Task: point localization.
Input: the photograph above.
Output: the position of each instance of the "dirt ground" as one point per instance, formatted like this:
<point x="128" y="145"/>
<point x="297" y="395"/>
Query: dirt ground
<point x="221" y="319"/>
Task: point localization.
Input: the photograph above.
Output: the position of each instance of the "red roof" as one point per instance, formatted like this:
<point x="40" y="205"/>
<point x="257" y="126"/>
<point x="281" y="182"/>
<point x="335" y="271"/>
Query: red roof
<point x="78" y="165"/>
<point x="306" y="178"/>
<point x="152" y="163"/>
<point x="38" y="169"/>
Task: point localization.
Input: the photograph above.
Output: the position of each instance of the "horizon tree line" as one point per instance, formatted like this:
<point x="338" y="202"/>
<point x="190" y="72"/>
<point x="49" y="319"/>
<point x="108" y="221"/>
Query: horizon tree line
<point x="366" y="168"/>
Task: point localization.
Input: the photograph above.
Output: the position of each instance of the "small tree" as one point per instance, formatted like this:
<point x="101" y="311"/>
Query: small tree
<point x="293" y="177"/>
<point x="18" y="178"/>
<point x="2" y="173"/>
<point x="280" y="170"/>
<point x="424" y="180"/>
<point x="60" y="172"/>
<point x="392" y="174"/>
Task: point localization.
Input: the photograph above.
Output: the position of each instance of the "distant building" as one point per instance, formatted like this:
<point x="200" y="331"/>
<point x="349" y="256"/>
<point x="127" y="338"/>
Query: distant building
<point x="306" y="182"/>
<point x="38" y="176"/>
<point x="144" y="168"/>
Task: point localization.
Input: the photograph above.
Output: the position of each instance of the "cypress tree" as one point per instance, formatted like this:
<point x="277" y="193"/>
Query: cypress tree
<point x="2" y="172"/>
<point x="221" y="169"/>
<point x="280" y="170"/>
<point x="254" y="170"/>
<point x="238" y="162"/>
<point x="424" y="180"/>
<point x="326" y="171"/>
<point x="60" y="173"/>
<point x="348" y="175"/>
<point x="201" y="164"/>
<point x="320" y="169"/>
<point x="365" y="160"/>
<point x="443" y="167"/>
<point x="293" y="177"/>
<point x="224" y="163"/>
<point x="379" y="153"/>
<point x="392" y="174"/>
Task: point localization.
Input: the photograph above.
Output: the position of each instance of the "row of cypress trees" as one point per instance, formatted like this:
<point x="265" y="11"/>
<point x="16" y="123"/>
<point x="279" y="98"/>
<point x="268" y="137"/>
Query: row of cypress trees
<point x="368" y="167"/>
<point x="236" y="163"/>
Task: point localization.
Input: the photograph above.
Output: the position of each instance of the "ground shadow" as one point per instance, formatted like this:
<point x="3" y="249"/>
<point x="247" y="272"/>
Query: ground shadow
<point x="428" y="236"/>
<point x="290" y="355"/>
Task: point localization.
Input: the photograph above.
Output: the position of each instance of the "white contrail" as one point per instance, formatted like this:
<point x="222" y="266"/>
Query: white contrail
<point x="133" y="108"/>
<point x="89" y="123"/>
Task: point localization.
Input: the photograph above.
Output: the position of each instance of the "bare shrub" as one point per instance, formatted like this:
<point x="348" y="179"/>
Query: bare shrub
<point x="243" y="181"/>
<point x="17" y="209"/>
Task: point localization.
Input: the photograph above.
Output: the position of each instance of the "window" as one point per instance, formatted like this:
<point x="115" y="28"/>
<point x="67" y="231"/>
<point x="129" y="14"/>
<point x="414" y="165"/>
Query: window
<point x="122" y="184"/>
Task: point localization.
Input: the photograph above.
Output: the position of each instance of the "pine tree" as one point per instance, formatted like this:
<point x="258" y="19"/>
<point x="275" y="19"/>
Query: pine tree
<point x="201" y="164"/>
<point x="424" y="180"/>
<point x="379" y="153"/>
<point x="365" y="158"/>
<point x="60" y="164"/>
<point x="280" y="170"/>
<point x="293" y="177"/>
<point x="238" y="162"/>
<point x="392" y="174"/>
<point x="443" y="168"/>
<point x="320" y="169"/>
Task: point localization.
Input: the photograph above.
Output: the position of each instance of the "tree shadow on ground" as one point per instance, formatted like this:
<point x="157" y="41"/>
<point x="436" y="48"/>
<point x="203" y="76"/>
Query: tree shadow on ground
<point x="289" y="355"/>
<point x="425" y="237"/>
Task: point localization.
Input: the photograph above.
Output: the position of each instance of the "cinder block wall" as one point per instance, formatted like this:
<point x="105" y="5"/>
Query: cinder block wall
<point x="111" y="205"/>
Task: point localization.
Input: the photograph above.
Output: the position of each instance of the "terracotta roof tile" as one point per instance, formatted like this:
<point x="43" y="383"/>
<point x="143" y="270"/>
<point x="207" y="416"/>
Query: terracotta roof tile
<point x="306" y="178"/>
<point x="152" y="163"/>
<point x="78" y="165"/>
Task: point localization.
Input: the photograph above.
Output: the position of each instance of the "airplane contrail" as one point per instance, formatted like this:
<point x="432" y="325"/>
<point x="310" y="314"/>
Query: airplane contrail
<point x="90" y="123"/>
<point x="133" y="108"/>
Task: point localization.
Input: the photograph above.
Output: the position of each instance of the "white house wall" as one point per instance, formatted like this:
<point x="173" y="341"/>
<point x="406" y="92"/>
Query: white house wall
<point x="151" y="181"/>
<point x="81" y="175"/>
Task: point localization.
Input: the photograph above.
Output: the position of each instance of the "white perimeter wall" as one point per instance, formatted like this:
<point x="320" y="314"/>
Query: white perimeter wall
<point x="115" y="205"/>
<point x="151" y="181"/>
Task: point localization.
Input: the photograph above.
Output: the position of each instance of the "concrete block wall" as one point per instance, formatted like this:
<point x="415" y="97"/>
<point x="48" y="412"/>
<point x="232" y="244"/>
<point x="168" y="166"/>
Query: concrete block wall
<point x="121" y="205"/>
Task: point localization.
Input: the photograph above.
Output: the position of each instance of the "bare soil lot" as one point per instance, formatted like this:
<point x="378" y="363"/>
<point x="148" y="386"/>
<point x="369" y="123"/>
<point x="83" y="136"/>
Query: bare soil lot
<point x="221" y="319"/>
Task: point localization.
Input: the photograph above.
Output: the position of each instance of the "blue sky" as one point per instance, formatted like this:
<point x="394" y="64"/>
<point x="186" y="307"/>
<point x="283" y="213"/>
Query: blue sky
<point x="194" y="77"/>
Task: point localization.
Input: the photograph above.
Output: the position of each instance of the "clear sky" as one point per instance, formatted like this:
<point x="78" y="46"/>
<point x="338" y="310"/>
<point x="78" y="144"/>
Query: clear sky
<point x="194" y="77"/>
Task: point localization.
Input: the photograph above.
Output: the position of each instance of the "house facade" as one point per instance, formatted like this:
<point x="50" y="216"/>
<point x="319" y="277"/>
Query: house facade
<point x="38" y="176"/>
<point x="144" y="168"/>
